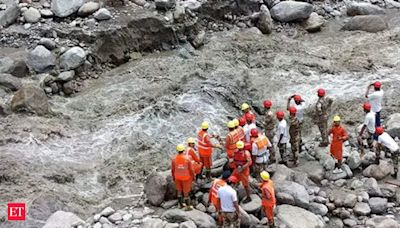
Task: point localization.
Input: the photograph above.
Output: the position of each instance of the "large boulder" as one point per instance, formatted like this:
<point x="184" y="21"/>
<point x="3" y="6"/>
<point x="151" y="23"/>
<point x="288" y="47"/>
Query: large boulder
<point x="201" y="219"/>
<point x="62" y="8"/>
<point x="314" y="22"/>
<point x="41" y="59"/>
<point x="10" y="82"/>
<point x="354" y="160"/>
<point x="288" y="11"/>
<point x="368" y="23"/>
<point x="102" y="14"/>
<point x="371" y="187"/>
<point x="393" y="125"/>
<point x="30" y="99"/>
<point x="297" y="191"/>
<point x="379" y="171"/>
<point x="155" y="188"/>
<point x="6" y="65"/>
<point x="152" y="223"/>
<point x="8" y="16"/>
<point x="88" y="8"/>
<point x="32" y="15"/>
<point x="314" y="170"/>
<point x="378" y="205"/>
<point x="253" y="206"/>
<point x="363" y="8"/>
<point x="381" y="222"/>
<point x="62" y="219"/>
<point x="318" y="209"/>
<point x="295" y="217"/>
<point x="264" y="22"/>
<point x="73" y="58"/>
<point x="362" y="209"/>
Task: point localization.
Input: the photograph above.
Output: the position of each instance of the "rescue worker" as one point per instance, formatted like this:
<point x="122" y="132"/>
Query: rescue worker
<point x="240" y="130"/>
<point x="282" y="132"/>
<point x="299" y="104"/>
<point x="294" y="133"/>
<point x="268" y="197"/>
<point x="191" y="153"/>
<point x="228" y="204"/>
<point x="246" y="109"/>
<point x="182" y="175"/>
<point x="375" y="99"/>
<point x="213" y="194"/>
<point x="339" y="135"/>
<point x="261" y="147"/>
<point x="269" y="125"/>
<point x="249" y="125"/>
<point x="387" y="144"/>
<point x="321" y="116"/>
<point x="230" y="143"/>
<point x="206" y="148"/>
<point x="242" y="163"/>
<point x="369" y="124"/>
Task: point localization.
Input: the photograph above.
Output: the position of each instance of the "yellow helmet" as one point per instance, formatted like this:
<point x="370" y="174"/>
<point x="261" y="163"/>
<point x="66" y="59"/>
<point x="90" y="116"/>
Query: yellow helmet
<point x="264" y="175"/>
<point x="244" y="106"/>
<point x="191" y="140"/>
<point x="231" y="124"/>
<point x="204" y="125"/>
<point x="240" y="145"/>
<point x="180" y="148"/>
<point x="336" y="118"/>
<point x="236" y="122"/>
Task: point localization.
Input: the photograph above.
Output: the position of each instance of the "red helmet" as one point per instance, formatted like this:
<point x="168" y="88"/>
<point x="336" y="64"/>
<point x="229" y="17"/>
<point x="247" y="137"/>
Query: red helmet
<point x="247" y="146"/>
<point x="321" y="92"/>
<point x="292" y="110"/>
<point x="297" y="98"/>
<point x="377" y="85"/>
<point x="280" y="115"/>
<point x="379" y="130"/>
<point x="267" y="104"/>
<point x="367" y="106"/>
<point x="248" y="116"/>
<point x="242" y="121"/>
<point x="254" y="132"/>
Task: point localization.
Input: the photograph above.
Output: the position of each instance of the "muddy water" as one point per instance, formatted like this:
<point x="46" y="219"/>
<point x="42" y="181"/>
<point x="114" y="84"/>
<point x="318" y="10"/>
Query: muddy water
<point x="124" y="125"/>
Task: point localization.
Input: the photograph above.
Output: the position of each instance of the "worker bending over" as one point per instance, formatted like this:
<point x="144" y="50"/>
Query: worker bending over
<point x="387" y="144"/>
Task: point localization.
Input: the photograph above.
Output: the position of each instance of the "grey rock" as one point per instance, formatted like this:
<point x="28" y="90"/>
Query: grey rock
<point x="201" y="207"/>
<point x="192" y="5"/>
<point x="48" y="43"/>
<point x="364" y="196"/>
<point x="381" y="222"/>
<point x="320" y="199"/>
<point x="20" y="68"/>
<point x="187" y="224"/>
<point x="41" y="59"/>
<point x="318" y="209"/>
<point x="379" y="171"/>
<point x="32" y="15"/>
<point x="354" y="160"/>
<point x="393" y="125"/>
<point x="350" y="222"/>
<point x="356" y="184"/>
<point x="295" y="217"/>
<point x="155" y="188"/>
<point x="363" y="8"/>
<point x="62" y="8"/>
<point x="340" y="182"/>
<point x="315" y="171"/>
<point x="253" y="206"/>
<point x="62" y="219"/>
<point x="362" y="209"/>
<point x="8" y="16"/>
<point x="314" y="22"/>
<point x="378" y="205"/>
<point x="46" y="13"/>
<point x="169" y="204"/>
<point x="368" y="159"/>
<point x="88" y="8"/>
<point x="371" y="186"/>
<point x="246" y="220"/>
<point x="288" y="11"/>
<point x="102" y="14"/>
<point x="97" y="225"/>
<point x="73" y="58"/>
<point x="115" y="217"/>
<point x="388" y="190"/>
<point x="297" y="191"/>
<point x="335" y="176"/>
<point x="172" y="225"/>
<point x="179" y="13"/>
<point x="368" y="23"/>
<point x="107" y="211"/>
<point x="201" y="219"/>
<point x="104" y="220"/>
<point x="30" y="99"/>
<point x="10" y="82"/>
<point x="152" y="223"/>
<point x="6" y="65"/>
<point x="197" y="42"/>
<point x="264" y="22"/>
<point x="285" y="198"/>
<point x="343" y="199"/>
<point x="335" y="223"/>
<point x="165" y="4"/>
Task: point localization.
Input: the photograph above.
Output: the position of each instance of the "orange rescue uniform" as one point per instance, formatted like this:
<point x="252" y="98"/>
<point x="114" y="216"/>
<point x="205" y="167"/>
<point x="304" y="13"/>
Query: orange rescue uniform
<point x="240" y="133"/>
<point x="205" y="148"/>
<point x="230" y="145"/>
<point x="182" y="173"/>
<point x="196" y="163"/>
<point x="240" y="159"/>
<point x="268" y="199"/>
<point x="337" y="144"/>
<point x="213" y="194"/>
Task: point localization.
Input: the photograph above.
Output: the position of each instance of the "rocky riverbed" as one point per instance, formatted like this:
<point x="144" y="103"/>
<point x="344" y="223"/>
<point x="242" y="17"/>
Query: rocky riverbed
<point x="91" y="107"/>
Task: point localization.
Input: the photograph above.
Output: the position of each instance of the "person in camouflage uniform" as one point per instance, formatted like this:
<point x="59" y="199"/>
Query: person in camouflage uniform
<point x="294" y="132"/>
<point x="321" y="116"/>
<point x="269" y="126"/>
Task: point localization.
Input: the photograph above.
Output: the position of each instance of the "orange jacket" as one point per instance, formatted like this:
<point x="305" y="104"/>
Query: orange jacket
<point x="230" y="143"/>
<point x="268" y="193"/>
<point x="339" y="135"/>
<point x="192" y="154"/>
<point x="213" y="194"/>
<point x="204" y="143"/>
<point x="240" y="133"/>
<point x="181" y="168"/>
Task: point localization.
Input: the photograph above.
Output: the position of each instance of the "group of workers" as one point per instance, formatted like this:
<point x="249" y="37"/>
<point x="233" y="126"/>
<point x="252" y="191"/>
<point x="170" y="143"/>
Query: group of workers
<point x="249" y="150"/>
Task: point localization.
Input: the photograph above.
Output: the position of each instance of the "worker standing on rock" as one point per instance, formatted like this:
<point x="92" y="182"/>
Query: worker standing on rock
<point x="387" y="144"/>
<point x="249" y="125"/>
<point x="294" y="132"/>
<point x="282" y="132"/>
<point x="369" y="124"/>
<point x="268" y="197"/>
<point x="269" y="125"/>
<point x="213" y="194"/>
<point x="191" y="153"/>
<point x="260" y="151"/>
<point x="339" y="135"/>
<point x="230" y="143"/>
<point x="321" y="116"/>
<point x="242" y="163"/>
<point x="206" y="148"/>
<point x="246" y="109"/>
<point x="299" y="104"/>
<point x="375" y="99"/>
<point x="228" y="204"/>
<point x="182" y="174"/>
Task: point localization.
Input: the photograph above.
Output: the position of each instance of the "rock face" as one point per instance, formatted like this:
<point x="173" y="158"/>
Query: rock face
<point x="295" y="217"/>
<point x="201" y="219"/>
<point x="62" y="219"/>
<point x="368" y="23"/>
<point x="73" y="58"/>
<point x="378" y="205"/>
<point x="379" y="171"/>
<point x="10" y="82"/>
<point x="393" y="125"/>
<point x="363" y="8"/>
<point x="297" y="191"/>
<point x="31" y="99"/>
<point x="102" y="14"/>
<point x="8" y="16"/>
<point x="314" y="22"/>
<point x="288" y="11"/>
<point x="32" y="15"/>
<point x="41" y="59"/>
<point x="88" y="8"/>
<point x="62" y="8"/>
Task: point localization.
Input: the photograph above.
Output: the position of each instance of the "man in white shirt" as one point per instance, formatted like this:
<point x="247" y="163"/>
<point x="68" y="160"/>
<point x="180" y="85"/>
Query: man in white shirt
<point x="228" y="206"/>
<point x="249" y="125"/>
<point x="387" y="144"/>
<point x="300" y="105"/>
<point x="375" y="99"/>
<point x="369" y="126"/>
<point x="282" y="133"/>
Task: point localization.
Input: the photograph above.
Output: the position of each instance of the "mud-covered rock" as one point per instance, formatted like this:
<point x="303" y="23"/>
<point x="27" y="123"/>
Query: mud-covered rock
<point x="288" y="11"/>
<point x="62" y="8"/>
<point x="62" y="219"/>
<point x="368" y="23"/>
<point x="31" y="99"/>
<point x="296" y="217"/>
<point x="41" y="59"/>
<point x="363" y="8"/>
